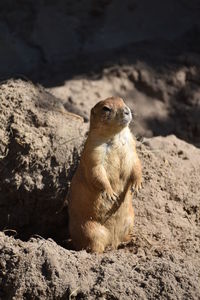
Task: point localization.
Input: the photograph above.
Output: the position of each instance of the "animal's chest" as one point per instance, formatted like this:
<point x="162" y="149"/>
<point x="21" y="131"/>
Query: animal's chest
<point x="119" y="159"/>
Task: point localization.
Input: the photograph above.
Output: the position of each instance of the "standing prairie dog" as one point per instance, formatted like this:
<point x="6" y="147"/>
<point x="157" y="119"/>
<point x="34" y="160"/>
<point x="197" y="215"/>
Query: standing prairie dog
<point x="100" y="201"/>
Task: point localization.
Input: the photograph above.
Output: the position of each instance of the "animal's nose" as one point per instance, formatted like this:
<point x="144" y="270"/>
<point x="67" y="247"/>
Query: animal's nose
<point x="126" y="111"/>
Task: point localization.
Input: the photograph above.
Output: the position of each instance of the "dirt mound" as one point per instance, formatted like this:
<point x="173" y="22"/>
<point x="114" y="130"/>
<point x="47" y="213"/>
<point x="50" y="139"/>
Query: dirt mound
<point x="163" y="100"/>
<point x="39" y="145"/>
<point x="161" y="262"/>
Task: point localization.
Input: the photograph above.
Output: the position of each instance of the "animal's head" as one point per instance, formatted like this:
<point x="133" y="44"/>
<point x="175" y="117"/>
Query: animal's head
<point x="110" y="115"/>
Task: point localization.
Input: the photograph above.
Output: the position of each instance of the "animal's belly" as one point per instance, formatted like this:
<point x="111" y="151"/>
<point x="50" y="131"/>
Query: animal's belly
<point x="118" y="168"/>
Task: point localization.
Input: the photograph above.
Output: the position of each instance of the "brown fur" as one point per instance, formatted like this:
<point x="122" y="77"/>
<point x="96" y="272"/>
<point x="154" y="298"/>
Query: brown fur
<point x="100" y="207"/>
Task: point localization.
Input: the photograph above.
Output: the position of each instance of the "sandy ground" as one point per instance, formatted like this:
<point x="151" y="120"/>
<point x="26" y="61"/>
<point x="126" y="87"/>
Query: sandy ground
<point x="40" y="146"/>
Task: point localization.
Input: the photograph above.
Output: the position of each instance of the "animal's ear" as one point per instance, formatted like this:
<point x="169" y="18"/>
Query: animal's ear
<point x="92" y="114"/>
<point x="93" y="111"/>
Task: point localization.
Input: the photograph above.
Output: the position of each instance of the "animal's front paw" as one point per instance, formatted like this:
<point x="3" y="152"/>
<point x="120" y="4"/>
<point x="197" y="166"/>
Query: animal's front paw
<point x="137" y="185"/>
<point x="110" y="195"/>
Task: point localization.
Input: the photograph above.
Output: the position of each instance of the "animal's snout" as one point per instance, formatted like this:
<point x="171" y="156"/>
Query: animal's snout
<point x="125" y="115"/>
<point x="126" y="111"/>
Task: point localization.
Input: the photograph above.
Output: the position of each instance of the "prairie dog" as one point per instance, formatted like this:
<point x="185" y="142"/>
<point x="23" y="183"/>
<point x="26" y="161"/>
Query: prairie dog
<point x="100" y="200"/>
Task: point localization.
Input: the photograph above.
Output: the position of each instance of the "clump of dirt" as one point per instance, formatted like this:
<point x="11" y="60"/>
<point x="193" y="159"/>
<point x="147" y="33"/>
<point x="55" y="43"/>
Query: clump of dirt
<point x="161" y="262"/>
<point x="39" y="145"/>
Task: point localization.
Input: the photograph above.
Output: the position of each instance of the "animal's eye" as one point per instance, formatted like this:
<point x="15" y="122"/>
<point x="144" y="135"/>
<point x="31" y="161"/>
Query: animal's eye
<point x="106" y="108"/>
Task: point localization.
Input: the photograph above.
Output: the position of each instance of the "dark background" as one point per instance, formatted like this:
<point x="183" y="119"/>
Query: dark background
<point x="44" y="39"/>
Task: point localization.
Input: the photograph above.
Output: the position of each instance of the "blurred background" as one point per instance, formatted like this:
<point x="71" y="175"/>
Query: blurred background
<point x="147" y="52"/>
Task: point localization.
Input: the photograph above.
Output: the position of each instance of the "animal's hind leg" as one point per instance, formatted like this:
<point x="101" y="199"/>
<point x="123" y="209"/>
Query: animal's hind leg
<point x="97" y="236"/>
